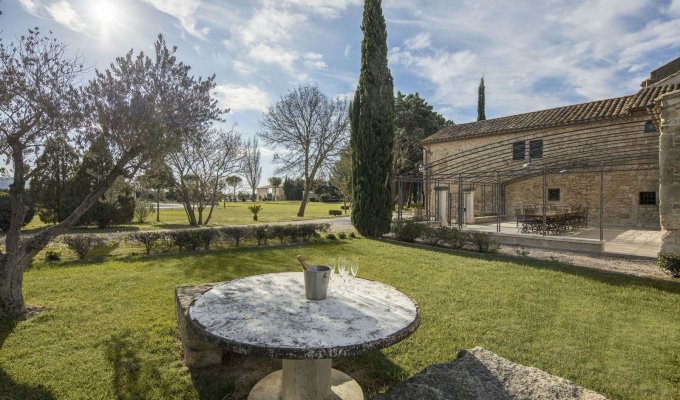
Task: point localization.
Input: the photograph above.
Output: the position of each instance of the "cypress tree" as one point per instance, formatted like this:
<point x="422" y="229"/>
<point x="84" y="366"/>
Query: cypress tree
<point x="481" y="114"/>
<point x="372" y="129"/>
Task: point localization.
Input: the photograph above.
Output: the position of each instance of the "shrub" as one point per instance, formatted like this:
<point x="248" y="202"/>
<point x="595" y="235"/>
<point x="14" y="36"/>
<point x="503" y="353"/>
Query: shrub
<point x="261" y="233"/>
<point x="482" y="242"/>
<point x="292" y="232"/>
<point x="280" y="232"/>
<point x="189" y="239"/>
<point x="148" y="239"/>
<point x="236" y="233"/>
<point x="456" y="238"/>
<point x="82" y="243"/>
<point x="670" y="262"/>
<point x="255" y="209"/>
<point x="345" y="208"/>
<point x="407" y="231"/>
<point x="307" y="231"/>
<point x="52" y="255"/>
<point x="352" y="235"/>
<point x="434" y="235"/>
<point x="331" y="236"/>
<point x="342" y="235"/>
<point x="334" y="213"/>
<point x="207" y="236"/>
<point x="6" y="213"/>
<point x="142" y="210"/>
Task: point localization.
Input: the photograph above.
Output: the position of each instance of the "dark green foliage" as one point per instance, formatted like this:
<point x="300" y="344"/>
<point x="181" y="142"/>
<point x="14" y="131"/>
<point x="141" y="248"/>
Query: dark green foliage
<point x="255" y="209"/>
<point x="671" y="263"/>
<point x="186" y="239"/>
<point x="52" y="255"/>
<point x="342" y="235"/>
<point x="280" y="232"/>
<point x="435" y="235"/>
<point x="82" y="243"/>
<point x="331" y="236"/>
<point x="58" y="163"/>
<point x="481" y="99"/>
<point x="293" y="189"/>
<point x="261" y="234"/>
<point x="6" y="212"/>
<point x="306" y="232"/>
<point x="372" y="129"/>
<point x="352" y="235"/>
<point x="335" y="212"/>
<point x="482" y="242"/>
<point x="407" y="231"/>
<point x="456" y="238"/>
<point x="235" y="233"/>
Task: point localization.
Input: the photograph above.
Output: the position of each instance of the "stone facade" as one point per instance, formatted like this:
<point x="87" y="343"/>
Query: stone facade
<point x="669" y="167"/>
<point x="621" y="190"/>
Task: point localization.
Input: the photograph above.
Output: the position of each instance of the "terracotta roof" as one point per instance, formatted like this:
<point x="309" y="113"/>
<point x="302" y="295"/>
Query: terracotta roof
<point x="567" y="115"/>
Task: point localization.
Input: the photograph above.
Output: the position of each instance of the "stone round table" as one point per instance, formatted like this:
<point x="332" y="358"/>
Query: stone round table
<point x="269" y="315"/>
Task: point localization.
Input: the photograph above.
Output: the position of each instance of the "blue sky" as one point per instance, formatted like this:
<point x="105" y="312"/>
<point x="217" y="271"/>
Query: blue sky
<point x="533" y="54"/>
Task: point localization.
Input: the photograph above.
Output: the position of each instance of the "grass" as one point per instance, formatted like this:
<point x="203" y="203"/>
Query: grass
<point x="107" y="330"/>
<point x="232" y="214"/>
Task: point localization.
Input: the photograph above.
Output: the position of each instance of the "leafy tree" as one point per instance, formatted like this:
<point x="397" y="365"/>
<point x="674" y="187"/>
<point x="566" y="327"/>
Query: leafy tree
<point x="142" y="107"/>
<point x="481" y="94"/>
<point x="58" y="162"/>
<point x="6" y="212"/>
<point x="293" y="189"/>
<point x="199" y="169"/>
<point x="157" y="176"/>
<point x="234" y="181"/>
<point x="341" y="174"/>
<point x="250" y="167"/>
<point x="414" y="120"/>
<point x="310" y="128"/>
<point x="372" y="124"/>
<point x="276" y="182"/>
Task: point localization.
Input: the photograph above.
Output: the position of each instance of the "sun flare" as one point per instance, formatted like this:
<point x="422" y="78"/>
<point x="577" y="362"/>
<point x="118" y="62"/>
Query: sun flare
<point x="105" y="13"/>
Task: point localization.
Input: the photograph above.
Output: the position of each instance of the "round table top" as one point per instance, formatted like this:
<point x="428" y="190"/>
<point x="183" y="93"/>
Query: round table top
<point x="270" y="315"/>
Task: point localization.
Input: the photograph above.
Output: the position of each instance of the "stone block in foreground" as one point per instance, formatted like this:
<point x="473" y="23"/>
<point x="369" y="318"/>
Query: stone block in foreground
<point x="479" y="374"/>
<point x="197" y="351"/>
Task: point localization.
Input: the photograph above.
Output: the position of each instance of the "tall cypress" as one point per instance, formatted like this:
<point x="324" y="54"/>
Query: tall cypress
<point x="481" y="114"/>
<point x="372" y="129"/>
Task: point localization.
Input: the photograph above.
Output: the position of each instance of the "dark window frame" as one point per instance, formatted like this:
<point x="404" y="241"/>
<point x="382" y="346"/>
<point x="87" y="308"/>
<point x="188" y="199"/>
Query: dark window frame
<point x="519" y="147"/>
<point x="648" y="199"/>
<point x="554" y="194"/>
<point x="536" y="149"/>
<point x="650" y="127"/>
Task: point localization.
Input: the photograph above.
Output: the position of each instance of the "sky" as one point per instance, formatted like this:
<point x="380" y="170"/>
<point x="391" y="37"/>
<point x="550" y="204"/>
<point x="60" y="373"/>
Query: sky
<point x="533" y="54"/>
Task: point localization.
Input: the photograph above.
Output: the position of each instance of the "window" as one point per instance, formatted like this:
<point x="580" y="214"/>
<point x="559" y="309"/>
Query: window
<point x="553" y="194"/>
<point x="536" y="149"/>
<point x="647" y="198"/>
<point x="518" y="150"/>
<point x="649" y="126"/>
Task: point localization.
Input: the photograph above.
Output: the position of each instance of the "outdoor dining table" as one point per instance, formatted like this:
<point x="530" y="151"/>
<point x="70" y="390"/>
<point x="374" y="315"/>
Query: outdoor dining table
<point x="269" y="315"/>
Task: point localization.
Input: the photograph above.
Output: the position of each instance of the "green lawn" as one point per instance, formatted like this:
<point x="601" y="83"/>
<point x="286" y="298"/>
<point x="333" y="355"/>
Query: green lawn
<point x="107" y="330"/>
<point x="232" y="214"/>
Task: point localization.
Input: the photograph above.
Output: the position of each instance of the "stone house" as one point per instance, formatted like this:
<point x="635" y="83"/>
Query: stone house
<point x="270" y="192"/>
<point x="556" y="157"/>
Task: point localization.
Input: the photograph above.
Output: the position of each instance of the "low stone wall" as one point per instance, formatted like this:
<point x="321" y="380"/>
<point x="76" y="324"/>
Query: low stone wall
<point x="197" y="351"/>
<point x="548" y="242"/>
<point x="480" y="374"/>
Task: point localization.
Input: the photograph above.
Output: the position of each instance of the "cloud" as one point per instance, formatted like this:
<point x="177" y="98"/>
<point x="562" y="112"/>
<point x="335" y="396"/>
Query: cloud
<point x="270" y="25"/>
<point x="314" y="61"/>
<point x="62" y="12"/>
<point x="274" y="55"/>
<point x="243" y="68"/>
<point x="418" y="42"/>
<point x="242" y="98"/>
<point x="184" y="11"/>
<point x="326" y="9"/>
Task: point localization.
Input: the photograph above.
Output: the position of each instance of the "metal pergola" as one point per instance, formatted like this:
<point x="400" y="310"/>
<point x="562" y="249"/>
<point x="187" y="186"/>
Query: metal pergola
<point x="619" y="145"/>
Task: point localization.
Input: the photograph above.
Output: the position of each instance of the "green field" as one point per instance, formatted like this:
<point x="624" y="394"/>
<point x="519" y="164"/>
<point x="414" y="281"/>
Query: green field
<point x="107" y="330"/>
<point x="231" y="214"/>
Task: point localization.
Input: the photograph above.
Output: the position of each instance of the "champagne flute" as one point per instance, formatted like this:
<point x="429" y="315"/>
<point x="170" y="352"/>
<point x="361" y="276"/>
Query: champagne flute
<point x="354" y="268"/>
<point x="331" y="263"/>
<point x="342" y="268"/>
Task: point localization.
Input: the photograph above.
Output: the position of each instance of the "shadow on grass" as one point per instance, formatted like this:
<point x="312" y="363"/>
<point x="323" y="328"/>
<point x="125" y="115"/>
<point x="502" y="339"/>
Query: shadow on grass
<point x="607" y="277"/>
<point x="374" y="372"/>
<point x="10" y="389"/>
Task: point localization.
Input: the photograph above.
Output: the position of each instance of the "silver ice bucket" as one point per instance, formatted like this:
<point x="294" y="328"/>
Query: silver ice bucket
<point x="316" y="281"/>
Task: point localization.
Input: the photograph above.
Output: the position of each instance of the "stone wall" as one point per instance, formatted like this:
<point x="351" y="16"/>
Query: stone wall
<point x="669" y="162"/>
<point x="622" y="188"/>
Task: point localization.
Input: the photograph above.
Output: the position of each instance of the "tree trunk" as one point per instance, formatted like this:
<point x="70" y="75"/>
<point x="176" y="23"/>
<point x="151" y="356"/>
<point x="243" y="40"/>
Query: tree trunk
<point x="305" y="197"/>
<point x="158" y="205"/>
<point x="11" y="293"/>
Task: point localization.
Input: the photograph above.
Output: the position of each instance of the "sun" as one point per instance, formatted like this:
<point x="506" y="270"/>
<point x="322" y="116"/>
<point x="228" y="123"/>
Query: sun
<point x="105" y="13"/>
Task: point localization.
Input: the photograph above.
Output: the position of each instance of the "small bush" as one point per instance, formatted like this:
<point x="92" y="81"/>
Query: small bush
<point x="236" y="233"/>
<point x="82" y="243"/>
<point x="352" y="235"/>
<point x="456" y="238"/>
<point x="331" y="236"/>
<point x="148" y="239"/>
<point x="407" y="231"/>
<point x="345" y="208"/>
<point x="52" y="255"/>
<point x="334" y="213"/>
<point x="142" y="210"/>
<point x="207" y="236"/>
<point x="186" y="239"/>
<point x="280" y="232"/>
<point x="434" y="236"/>
<point x="255" y="209"/>
<point x="261" y="233"/>
<point x="342" y="235"/>
<point x="307" y="231"/>
<point x="670" y="262"/>
<point x="482" y="242"/>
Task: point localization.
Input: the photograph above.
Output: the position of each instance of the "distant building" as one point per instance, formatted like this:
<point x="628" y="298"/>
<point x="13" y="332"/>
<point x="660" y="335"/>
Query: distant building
<point x="270" y="193"/>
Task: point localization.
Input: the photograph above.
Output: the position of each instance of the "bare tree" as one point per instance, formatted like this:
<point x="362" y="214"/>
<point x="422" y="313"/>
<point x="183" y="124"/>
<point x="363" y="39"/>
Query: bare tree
<point x="142" y="106"/>
<point x="310" y="128"/>
<point x="200" y="168"/>
<point x="251" y="167"/>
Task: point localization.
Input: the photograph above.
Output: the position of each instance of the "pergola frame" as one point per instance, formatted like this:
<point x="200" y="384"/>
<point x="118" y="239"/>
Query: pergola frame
<point x="621" y="145"/>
